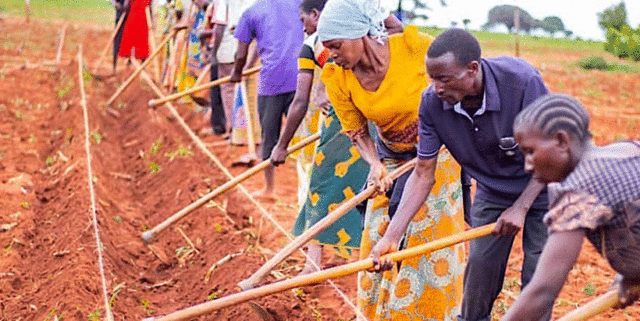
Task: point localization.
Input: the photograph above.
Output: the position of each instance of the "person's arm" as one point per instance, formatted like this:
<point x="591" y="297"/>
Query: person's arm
<point x="321" y="99"/>
<point x="354" y="125"/>
<point x="217" y="33"/>
<point x="204" y="35"/>
<point x="206" y="29"/>
<point x="511" y="220"/>
<point x="558" y="257"/>
<point x="241" y="60"/>
<point x="361" y="140"/>
<point x="245" y="32"/>
<point x="296" y="113"/>
<point x="416" y="191"/>
<point x="253" y="57"/>
<point x="393" y="25"/>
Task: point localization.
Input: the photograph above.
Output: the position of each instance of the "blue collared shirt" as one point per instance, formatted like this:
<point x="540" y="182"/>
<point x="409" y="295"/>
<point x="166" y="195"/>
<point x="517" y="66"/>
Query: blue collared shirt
<point x="510" y="85"/>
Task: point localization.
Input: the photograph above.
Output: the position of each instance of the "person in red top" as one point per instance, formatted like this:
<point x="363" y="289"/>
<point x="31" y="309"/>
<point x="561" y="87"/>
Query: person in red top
<point x="135" y="34"/>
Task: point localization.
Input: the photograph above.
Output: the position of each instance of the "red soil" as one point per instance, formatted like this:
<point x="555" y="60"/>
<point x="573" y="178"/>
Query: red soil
<point x="49" y="259"/>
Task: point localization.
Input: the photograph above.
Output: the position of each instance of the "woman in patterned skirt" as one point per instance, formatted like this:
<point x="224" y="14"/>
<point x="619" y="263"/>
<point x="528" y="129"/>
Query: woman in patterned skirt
<point x="379" y="79"/>
<point x="337" y="171"/>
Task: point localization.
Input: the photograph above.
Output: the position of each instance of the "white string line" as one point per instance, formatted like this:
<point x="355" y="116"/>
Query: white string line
<point x="83" y="102"/>
<point x="265" y="213"/>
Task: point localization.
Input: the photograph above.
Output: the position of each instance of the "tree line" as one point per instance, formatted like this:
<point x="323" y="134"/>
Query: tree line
<point x="506" y="15"/>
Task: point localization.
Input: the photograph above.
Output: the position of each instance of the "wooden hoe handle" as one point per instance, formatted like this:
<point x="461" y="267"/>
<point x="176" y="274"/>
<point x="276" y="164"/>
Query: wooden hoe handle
<point x="137" y="71"/>
<point x="148" y="235"/>
<point x="598" y="305"/>
<point x="155" y="102"/>
<point x="316" y="229"/>
<point x="324" y="275"/>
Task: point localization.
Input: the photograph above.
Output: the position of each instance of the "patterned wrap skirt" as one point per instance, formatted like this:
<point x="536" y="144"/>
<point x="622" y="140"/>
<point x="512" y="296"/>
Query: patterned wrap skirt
<point x="338" y="173"/>
<point x="427" y="287"/>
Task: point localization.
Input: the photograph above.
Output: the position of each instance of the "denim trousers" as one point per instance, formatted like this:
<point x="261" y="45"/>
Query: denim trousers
<point x="488" y="256"/>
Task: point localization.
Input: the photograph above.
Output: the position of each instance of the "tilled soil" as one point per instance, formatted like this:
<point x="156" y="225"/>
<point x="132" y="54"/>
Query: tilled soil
<point x="146" y="168"/>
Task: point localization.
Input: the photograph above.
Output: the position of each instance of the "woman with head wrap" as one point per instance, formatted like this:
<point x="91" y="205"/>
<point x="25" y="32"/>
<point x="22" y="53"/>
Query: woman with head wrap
<point x="335" y="167"/>
<point x="375" y="78"/>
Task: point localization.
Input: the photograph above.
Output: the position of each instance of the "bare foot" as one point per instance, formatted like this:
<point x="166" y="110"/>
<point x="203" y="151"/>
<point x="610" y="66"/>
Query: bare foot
<point x="245" y="160"/>
<point x="314" y="255"/>
<point x="265" y="194"/>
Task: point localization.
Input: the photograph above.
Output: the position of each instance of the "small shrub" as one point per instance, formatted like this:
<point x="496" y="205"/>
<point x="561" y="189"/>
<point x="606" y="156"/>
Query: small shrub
<point x="154" y="167"/>
<point x="95" y="316"/>
<point x="96" y="137"/>
<point x="156" y="146"/>
<point x="589" y="290"/>
<point x="594" y="62"/>
<point x="184" y="152"/>
<point x="50" y="160"/>
<point x="63" y="90"/>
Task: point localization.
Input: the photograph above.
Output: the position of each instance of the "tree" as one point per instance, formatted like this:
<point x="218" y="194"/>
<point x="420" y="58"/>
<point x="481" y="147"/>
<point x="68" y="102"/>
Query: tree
<point x="466" y="23"/>
<point x="613" y="17"/>
<point x="552" y="25"/>
<point x="505" y="14"/>
<point x="568" y="33"/>
<point x="418" y="8"/>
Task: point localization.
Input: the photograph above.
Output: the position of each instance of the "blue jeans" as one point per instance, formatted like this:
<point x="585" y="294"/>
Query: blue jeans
<point x="488" y="256"/>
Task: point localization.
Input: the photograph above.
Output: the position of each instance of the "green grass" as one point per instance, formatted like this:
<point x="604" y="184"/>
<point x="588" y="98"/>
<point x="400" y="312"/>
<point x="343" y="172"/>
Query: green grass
<point x="504" y="44"/>
<point x="505" y="41"/>
<point x="96" y="11"/>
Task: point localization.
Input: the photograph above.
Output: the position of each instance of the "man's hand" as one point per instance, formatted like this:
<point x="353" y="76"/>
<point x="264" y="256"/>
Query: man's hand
<point x="278" y="155"/>
<point x="384" y="246"/>
<point x="510" y="221"/>
<point x="628" y="291"/>
<point x="379" y="178"/>
<point x="236" y="76"/>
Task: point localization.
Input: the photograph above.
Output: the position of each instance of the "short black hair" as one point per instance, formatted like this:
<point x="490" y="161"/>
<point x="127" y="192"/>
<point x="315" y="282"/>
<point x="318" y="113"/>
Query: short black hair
<point x="553" y="112"/>
<point x="308" y="5"/>
<point x="463" y="45"/>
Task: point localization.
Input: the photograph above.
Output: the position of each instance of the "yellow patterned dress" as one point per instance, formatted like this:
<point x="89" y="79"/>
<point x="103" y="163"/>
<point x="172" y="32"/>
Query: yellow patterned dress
<point x="427" y="287"/>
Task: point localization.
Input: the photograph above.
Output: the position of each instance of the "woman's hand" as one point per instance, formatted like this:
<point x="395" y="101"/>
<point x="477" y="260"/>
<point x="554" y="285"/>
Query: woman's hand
<point x="379" y="178"/>
<point x="235" y="77"/>
<point x="384" y="246"/>
<point x="278" y="155"/>
<point x="322" y="101"/>
<point x="628" y="291"/>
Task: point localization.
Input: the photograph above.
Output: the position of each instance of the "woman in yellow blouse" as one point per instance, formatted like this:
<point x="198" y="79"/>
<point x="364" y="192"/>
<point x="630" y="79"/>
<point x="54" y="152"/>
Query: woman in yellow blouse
<point x="375" y="78"/>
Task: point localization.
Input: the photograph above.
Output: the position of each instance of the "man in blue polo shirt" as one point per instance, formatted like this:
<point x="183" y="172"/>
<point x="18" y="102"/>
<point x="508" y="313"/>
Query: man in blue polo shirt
<point x="470" y="109"/>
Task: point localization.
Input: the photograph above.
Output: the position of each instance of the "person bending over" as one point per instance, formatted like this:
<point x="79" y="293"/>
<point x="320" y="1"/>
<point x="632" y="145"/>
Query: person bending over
<point x="594" y="192"/>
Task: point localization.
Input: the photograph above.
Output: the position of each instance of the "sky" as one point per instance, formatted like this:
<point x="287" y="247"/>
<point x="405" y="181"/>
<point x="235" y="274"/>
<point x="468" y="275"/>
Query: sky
<point x="579" y="16"/>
